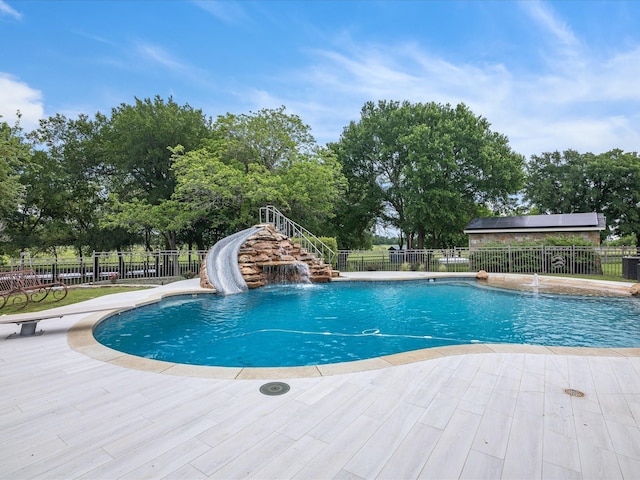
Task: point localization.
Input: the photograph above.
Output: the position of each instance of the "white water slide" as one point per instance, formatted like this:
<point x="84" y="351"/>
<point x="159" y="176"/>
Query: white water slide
<point x="222" y="263"/>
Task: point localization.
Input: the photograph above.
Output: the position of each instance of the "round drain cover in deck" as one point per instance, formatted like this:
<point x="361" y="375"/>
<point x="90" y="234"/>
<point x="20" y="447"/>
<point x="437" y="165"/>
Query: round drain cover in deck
<point x="274" y="388"/>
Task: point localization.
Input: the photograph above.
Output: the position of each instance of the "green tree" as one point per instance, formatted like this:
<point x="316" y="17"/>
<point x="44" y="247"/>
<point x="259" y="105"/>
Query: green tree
<point x="66" y="188"/>
<point x="270" y="137"/>
<point x="212" y="193"/>
<point x="426" y="169"/>
<point x="135" y="154"/>
<point x="283" y="163"/>
<point x="557" y="182"/>
<point x="310" y="188"/>
<point x="225" y="186"/>
<point x="15" y="155"/>
<point x="141" y="219"/>
<point x="35" y="222"/>
<point x="38" y="223"/>
<point x="615" y="177"/>
<point x="570" y="182"/>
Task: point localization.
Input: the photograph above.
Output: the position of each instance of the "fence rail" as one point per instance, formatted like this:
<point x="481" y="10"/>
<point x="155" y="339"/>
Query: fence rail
<point x="114" y="266"/>
<point x="571" y="260"/>
<point x="102" y="266"/>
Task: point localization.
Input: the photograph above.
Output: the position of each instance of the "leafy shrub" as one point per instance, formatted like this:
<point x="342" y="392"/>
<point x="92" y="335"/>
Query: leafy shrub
<point x="550" y="241"/>
<point x="626" y="241"/>
<point x="330" y="242"/>
<point x="566" y="241"/>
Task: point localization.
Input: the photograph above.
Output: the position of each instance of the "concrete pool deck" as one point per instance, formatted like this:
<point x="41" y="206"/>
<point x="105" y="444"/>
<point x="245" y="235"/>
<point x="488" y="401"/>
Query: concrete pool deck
<point x="497" y="411"/>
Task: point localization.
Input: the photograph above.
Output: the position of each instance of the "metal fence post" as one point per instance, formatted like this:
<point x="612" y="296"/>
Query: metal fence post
<point x="96" y="266"/>
<point x="176" y="264"/>
<point x="121" y="269"/>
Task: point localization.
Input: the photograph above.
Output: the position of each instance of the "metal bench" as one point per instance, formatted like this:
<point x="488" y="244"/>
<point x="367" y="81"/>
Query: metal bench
<point x="19" y="287"/>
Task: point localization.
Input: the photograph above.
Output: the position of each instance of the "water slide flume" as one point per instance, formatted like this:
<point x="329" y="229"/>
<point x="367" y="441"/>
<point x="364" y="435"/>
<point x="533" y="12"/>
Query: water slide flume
<point x="222" y="262"/>
<point x="277" y="250"/>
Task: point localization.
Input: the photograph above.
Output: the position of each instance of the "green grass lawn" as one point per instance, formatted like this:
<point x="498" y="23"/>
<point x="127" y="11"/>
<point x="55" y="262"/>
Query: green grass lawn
<point x="75" y="295"/>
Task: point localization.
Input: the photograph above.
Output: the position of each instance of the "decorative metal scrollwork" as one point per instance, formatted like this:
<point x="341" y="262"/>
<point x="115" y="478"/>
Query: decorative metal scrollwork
<point x="558" y="262"/>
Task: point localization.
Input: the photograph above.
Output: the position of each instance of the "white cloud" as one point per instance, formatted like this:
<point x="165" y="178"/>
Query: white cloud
<point x="597" y="135"/>
<point x="228" y="12"/>
<point x="589" y="107"/>
<point x="6" y="9"/>
<point x="18" y="96"/>
<point x="158" y="55"/>
<point x="96" y="38"/>
<point x="339" y="82"/>
<point x="544" y="16"/>
<point x="619" y="76"/>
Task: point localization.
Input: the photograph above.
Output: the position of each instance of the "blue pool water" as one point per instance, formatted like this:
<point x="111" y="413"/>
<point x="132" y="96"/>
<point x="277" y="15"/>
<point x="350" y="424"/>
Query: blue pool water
<point x="345" y="321"/>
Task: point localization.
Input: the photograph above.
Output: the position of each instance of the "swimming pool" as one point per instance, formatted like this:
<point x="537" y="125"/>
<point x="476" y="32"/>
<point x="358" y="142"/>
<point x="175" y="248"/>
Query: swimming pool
<point x="346" y="321"/>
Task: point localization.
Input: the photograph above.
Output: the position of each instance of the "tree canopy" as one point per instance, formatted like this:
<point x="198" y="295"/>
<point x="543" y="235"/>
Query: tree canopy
<point x="275" y="161"/>
<point x="15" y="154"/>
<point x="135" y="143"/>
<point x="164" y="175"/>
<point x="571" y="182"/>
<point x="136" y="158"/>
<point x="425" y="169"/>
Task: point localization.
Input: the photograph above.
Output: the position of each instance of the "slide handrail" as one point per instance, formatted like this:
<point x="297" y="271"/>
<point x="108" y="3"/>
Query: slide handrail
<point x="291" y="229"/>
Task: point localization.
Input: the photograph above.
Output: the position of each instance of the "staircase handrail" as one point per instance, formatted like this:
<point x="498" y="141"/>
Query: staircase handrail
<point x="291" y="229"/>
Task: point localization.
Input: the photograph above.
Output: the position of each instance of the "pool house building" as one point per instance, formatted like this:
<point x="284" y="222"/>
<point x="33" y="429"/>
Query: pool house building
<point x="522" y="228"/>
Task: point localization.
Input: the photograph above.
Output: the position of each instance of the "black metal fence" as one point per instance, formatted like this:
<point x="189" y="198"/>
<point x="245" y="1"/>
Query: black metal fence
<point x="571" y="260"/>
<point x="116" y="266"/>
<point x="113" y="266"/>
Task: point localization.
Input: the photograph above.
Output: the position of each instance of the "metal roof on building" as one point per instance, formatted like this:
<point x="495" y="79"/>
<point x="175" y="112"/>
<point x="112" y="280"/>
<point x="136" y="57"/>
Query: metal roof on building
<point x="555" y="222"/>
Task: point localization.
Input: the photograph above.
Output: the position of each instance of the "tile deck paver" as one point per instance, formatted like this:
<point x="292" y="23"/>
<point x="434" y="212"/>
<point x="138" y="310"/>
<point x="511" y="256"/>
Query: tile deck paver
<point x="64" y="414"/>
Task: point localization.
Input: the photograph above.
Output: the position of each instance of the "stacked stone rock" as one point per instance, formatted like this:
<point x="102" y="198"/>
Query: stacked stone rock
<point x="269" y="247"/>
<point x="204" y="278"/>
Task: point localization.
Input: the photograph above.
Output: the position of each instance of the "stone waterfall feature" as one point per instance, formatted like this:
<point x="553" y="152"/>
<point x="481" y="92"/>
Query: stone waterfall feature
<point x="286" y="273"/>
<point x="258" y="256"/>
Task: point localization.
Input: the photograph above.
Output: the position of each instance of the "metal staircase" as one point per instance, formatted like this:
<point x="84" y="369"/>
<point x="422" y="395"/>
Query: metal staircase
<point x="297" y="233"/>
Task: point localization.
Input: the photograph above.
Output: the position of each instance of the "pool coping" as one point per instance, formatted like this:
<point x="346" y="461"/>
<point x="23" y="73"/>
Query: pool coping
<point x="80" y="336"/>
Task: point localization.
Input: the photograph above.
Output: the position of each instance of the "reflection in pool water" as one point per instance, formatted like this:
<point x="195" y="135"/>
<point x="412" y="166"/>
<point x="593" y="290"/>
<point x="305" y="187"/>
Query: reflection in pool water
<point x="346" y="321"/>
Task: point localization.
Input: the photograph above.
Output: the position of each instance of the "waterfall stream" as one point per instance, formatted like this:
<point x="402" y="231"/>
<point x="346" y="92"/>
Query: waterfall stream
<point x="287" y="273"/>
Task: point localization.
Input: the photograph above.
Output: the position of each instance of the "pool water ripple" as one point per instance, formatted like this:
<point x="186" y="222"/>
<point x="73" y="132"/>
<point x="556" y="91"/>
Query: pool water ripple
<point x="341" y="322"/>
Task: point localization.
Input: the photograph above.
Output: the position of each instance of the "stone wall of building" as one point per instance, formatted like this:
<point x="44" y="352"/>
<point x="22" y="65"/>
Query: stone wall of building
<point x="482" y="239"/>
<point x="270" y="250"/>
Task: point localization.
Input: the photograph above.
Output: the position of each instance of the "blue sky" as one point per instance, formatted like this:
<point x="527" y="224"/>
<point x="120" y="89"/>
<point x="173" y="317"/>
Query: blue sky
<point x="549" y="75"/>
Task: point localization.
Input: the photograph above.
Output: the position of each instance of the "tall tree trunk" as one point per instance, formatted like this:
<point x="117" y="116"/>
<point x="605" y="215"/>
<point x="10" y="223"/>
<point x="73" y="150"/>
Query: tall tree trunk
<point x="421" y="235"/>
<point x="170" y="238"/>
<point x="147" y="240"/>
